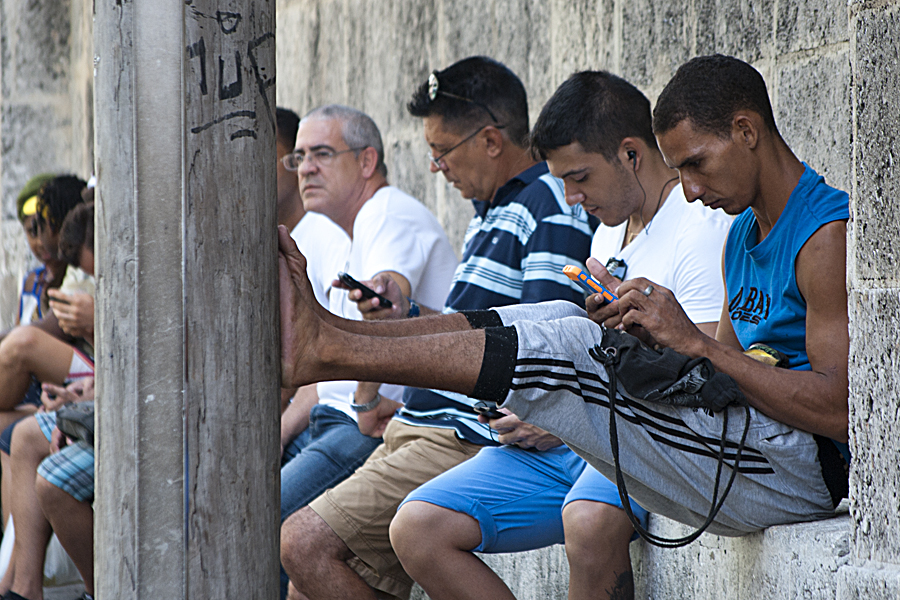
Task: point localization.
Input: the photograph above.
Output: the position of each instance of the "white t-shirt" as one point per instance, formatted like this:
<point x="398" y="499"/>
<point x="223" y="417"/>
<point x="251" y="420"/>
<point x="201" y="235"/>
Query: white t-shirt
<point x="325" y="246"/>
<point x="680" y="249"/>
<point x="392" y="232"/>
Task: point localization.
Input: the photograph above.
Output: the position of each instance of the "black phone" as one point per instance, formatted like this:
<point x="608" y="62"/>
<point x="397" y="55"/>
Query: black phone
<point x="489" y="410"/>
<point x="367" y="292"/>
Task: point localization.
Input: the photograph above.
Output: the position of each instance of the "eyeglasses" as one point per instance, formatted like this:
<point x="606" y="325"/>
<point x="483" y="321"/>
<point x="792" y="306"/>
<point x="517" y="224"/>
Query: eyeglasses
<point x="437" y="161"/>
<point x="321" y="157"/>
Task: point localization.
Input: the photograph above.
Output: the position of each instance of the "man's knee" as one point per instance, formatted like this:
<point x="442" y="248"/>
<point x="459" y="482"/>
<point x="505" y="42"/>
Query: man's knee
<point x="420" y="529"/>
<point x="28" y="441"/>
<point x="306" y="539"/>
<point x="595" y="531"/>
<point x="48" y="494"/>
<point x="18" y="346"/>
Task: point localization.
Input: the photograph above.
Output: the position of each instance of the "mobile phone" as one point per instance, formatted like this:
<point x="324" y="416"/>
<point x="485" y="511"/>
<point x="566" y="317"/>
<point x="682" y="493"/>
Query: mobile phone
<point x="489" y="410"/>
<point x="585" y="280"/>
<point x="60" y="300"/>
<point x="367" y="292"/>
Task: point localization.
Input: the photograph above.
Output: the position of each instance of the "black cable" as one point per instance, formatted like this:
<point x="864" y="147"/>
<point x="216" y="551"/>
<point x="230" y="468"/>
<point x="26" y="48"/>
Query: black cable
<point x="608" y="358"/>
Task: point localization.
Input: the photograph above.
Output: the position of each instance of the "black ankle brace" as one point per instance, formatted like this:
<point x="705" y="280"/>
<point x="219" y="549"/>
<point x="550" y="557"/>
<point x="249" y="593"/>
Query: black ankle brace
<point x="501" y="346"/>
<point x="482" y="319"/>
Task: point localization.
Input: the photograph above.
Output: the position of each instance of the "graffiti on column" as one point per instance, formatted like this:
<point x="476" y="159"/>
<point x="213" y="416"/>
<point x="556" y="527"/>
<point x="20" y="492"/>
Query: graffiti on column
<point x="229" y="86"/>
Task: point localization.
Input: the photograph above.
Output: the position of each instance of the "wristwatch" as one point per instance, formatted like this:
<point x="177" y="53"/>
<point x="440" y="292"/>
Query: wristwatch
<point x="413" y="308"/>
<point x="367" y="406"/>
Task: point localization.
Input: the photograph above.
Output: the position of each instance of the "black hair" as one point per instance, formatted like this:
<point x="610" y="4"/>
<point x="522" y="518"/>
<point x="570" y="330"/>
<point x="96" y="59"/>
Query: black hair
<point x="57" y="197"/>
<point x="77" y="231"/>
<point x="596" y="109"/>
<point x="286" y="123"/>
<point x="708" y="91"/>
<point x="470" y="91"/>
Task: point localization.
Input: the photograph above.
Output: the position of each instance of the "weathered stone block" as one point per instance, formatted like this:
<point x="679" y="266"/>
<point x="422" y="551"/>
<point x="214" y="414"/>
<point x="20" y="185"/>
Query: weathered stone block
<point x="874" y="414"/>
<point x="297" y="33"/>
<point x="812" y="111"/>
<point x="745" y="29"/>
<point x="592" y="24"/>
<point x="869" y="582"/>
<point x="876" y="154"/>
<point x="522" y="45"/>
<point x="467" y="27"/>
<point x="788" y="561"/>
<point x="654" y="43"/>
<point x="7" y="36"/>
<point x="810" y="24"/>
<point x="42" y="48"/>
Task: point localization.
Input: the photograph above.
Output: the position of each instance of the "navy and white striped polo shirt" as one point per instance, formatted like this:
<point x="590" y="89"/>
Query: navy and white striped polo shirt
<point x="514" y="252"/>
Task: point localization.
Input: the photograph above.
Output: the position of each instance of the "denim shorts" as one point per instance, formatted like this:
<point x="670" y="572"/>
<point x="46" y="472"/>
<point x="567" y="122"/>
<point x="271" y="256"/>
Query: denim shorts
<point x="517" y="496"/>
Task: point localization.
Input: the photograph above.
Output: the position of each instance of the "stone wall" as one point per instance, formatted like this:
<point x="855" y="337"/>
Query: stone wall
<point x="46" y="122"/>
<point x="874" y="280"/>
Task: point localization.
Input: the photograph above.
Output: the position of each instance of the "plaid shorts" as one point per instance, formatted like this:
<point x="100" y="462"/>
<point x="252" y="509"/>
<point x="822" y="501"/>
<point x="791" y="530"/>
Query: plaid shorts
<point x="72" y="468"/>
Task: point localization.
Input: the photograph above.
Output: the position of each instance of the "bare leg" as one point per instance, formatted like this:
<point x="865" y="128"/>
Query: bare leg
<point x="296" y="264"/>
<point x="293" y="594"/>
<point x="73" y="522"/>
<point x="597" y="538"/>
<point x="25" y="351"/>
<point x="315" y="349"/>
<point x="314" y="558"/>
<point x="5" y="487"/>
<point x="15" y="415"/>
<point x="29" y="448"/>
<point x="435" y="544"/>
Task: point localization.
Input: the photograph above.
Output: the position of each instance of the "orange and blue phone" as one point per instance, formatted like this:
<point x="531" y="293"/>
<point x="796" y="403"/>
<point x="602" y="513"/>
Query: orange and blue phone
<point x="584" y="279"/>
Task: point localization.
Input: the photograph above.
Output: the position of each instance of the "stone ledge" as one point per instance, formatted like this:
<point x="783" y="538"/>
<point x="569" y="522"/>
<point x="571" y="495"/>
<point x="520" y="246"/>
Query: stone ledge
<point x="789" y="561"/>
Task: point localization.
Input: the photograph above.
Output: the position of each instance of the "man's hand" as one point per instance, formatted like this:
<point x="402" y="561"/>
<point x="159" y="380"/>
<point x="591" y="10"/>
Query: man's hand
<point x="660" y="316"/>
<point x="74" y="312"/>
<point x="54" y="396"/>
<point x="598" y="310"/>
<point x="374" y="422"/>
<point x="513" y="431"/>
<point x="371" y="309"/>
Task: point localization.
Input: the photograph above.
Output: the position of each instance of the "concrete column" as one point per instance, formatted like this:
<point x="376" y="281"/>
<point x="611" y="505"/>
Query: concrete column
<point x="874" y="282"/>
<point x="187" y="345"/>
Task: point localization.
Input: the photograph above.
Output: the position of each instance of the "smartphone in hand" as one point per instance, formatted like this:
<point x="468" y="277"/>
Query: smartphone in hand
<point x="585" y="280"/>
<point x="488" y="409"/>
<point x="367" y="292"/>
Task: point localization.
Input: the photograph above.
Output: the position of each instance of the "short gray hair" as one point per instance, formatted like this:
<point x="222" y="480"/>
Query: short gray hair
<point x="357" y="129"/>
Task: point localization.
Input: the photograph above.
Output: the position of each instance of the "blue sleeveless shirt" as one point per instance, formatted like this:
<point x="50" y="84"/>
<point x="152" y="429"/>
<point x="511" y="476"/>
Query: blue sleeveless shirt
<point x="764" y="302"/>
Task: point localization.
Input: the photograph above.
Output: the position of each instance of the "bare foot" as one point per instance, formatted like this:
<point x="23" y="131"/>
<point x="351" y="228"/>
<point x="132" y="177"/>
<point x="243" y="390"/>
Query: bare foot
<point x="300" y="323"/>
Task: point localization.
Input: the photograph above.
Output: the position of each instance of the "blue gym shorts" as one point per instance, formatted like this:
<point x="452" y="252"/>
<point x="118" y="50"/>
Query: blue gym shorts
<point x="517" y="496"/>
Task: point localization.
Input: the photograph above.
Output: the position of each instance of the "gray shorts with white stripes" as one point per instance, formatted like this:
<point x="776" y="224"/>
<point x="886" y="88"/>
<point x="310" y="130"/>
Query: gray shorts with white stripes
<point x="668" y="455"/>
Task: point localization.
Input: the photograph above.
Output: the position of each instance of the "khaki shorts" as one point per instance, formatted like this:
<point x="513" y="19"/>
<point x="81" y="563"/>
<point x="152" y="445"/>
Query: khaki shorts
<point x="360" y="508"/>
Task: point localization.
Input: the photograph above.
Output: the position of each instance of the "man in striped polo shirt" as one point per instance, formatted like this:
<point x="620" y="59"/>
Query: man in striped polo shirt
<point x="475" y="118"/>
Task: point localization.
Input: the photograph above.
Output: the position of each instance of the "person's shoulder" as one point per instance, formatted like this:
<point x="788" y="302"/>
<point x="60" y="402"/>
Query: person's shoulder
<point x="315" y="230"/>
<point x="545" y="199"/>
<point x="395" y="203"/>
<point x="821" y="202"/>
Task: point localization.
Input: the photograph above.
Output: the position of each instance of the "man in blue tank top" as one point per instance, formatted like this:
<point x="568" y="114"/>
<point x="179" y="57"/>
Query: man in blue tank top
<point x="784" y="266"/>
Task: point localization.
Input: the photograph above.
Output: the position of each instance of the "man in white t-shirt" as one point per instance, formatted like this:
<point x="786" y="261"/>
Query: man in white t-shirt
<point x="339" y="159"/>
<point x="595" y="133"/>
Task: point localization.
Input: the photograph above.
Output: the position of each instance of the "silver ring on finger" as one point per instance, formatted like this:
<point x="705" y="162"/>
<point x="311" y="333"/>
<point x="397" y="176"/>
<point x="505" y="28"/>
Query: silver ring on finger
<point x="648" y="290"/>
